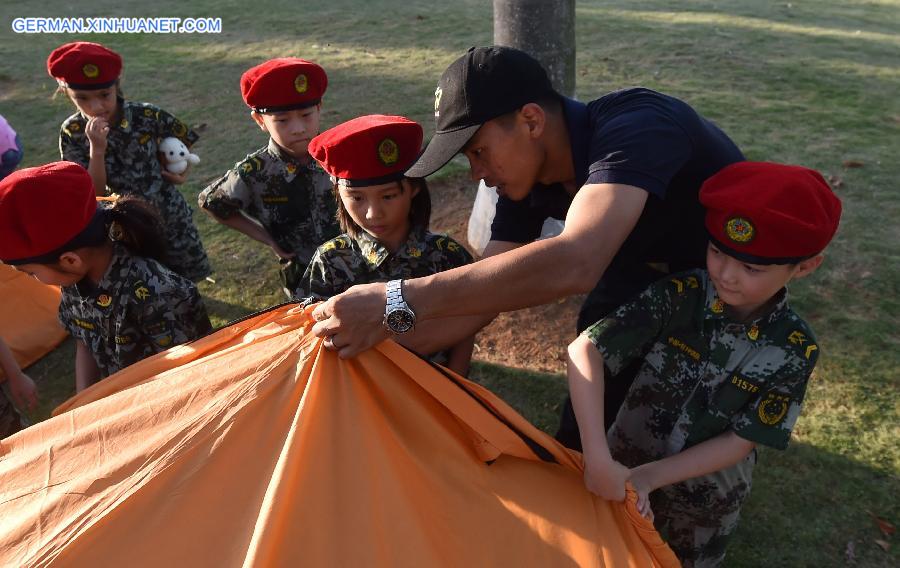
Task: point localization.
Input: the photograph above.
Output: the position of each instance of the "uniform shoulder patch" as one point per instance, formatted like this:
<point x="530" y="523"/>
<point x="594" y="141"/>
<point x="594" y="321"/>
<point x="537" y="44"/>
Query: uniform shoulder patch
<point x="338" y="243"/>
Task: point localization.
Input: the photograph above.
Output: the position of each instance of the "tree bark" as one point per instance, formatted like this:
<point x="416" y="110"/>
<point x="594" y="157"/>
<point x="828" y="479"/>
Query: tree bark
<point x="546" y="30"/>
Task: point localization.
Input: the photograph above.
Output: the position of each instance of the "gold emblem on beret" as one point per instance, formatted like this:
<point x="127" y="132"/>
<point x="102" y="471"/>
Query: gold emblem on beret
<point x="104" y="300"/>
<point x="301" y="84"/>
<point x="740" y="230"/>
<point x="90" y="70"/>
<point x="388" y="152"/>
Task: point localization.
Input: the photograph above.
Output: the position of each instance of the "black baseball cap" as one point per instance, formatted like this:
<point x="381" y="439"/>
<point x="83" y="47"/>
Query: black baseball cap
<point x="483" y="84"/>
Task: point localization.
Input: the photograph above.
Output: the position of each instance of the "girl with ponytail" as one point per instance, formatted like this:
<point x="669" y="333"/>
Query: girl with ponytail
<point x="119" y="300"/>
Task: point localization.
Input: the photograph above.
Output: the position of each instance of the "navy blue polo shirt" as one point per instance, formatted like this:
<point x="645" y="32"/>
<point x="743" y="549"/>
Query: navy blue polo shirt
<point x="645" y="139"/>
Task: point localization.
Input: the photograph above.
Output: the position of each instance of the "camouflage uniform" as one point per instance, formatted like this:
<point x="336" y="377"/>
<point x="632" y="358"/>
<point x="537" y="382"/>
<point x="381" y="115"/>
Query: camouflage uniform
<point x="139" y="308"/>
<point x="133" y="168"/>
<point x="346" y="261"/>
<point x="10" y="419"/>
<point x="702" y="374"/>
<point x="292" y="201"/>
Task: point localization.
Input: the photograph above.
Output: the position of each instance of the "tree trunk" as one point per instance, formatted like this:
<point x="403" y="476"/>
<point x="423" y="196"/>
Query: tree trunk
<point x="546" y="30"/>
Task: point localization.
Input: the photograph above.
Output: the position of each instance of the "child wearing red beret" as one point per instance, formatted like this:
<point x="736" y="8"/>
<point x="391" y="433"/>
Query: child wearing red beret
<point x="119" y="302"/>
<point x="278" y="195"/>
<point x="384" y="215"/>
<point x="118" y="141"/>
<point x="724" y="361"/>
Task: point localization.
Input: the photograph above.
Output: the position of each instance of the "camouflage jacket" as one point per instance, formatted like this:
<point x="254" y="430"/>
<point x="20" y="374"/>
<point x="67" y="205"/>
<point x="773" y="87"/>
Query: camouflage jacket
<point x="132" y="163"/>
<point x="138" y="308"/>
<point x="343" y="262"/>
<point x="133" y="168"/>
<point x="292" y="201"/>
<point x="703" y="373"/>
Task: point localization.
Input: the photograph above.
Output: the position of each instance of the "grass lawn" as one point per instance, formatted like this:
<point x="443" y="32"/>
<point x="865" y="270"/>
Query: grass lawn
<point x="814" y="83"/>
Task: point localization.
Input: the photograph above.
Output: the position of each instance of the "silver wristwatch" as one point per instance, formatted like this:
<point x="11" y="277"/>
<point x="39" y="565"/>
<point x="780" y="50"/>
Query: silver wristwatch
<point x="398" y="317"/>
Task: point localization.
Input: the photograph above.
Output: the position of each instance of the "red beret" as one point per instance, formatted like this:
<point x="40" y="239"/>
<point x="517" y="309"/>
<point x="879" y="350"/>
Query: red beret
<point x="765" y="213"/>
<point x="368" y="150"/>
<point x="42" y="209"/>
<point x="84" y="65"/>
<point x="281" y="84"/>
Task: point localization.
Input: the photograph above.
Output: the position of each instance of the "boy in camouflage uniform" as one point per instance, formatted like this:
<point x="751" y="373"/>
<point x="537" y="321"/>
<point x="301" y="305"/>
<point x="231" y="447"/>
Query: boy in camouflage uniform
<point x="384" y="214"/>
<point x="117" y="141"/>
<point x="725" y="361"/>
<point x="278" y="195"/>
<point x="119" y="303"/>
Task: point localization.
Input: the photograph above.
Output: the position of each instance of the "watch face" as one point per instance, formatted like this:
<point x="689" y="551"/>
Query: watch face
<point x="400" y="321"/>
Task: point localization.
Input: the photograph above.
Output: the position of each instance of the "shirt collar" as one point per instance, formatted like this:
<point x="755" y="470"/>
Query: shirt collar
<point x="715" y="308"/>
<point x="375" y="254"/>
<point x="291" y="163"/>
<point x="107" y="285"/>
<point x="577" y="123"/>
<point x="125" y="120"/>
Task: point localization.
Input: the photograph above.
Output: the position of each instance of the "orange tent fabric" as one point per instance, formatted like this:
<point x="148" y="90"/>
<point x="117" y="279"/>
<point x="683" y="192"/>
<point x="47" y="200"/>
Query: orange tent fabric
<point x="255" y="446"/>
<point x="28" y="322"/>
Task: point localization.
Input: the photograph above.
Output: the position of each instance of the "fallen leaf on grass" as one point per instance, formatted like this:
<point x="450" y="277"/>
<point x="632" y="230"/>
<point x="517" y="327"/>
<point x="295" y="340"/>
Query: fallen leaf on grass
<point x="886" y="528"/>
<point x="885" y="546"/>
<point x="853" y="164"/>
<point x="850" y="552"/>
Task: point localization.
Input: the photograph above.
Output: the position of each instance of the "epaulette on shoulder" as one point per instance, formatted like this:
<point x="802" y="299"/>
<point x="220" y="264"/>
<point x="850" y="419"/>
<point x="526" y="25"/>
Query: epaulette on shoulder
<point x="799" y="339"/>
<point x="250" y="164"/>
<point x="338" y="243"/>
<point x="683" y="283"/>
<point x="72" y="126"/>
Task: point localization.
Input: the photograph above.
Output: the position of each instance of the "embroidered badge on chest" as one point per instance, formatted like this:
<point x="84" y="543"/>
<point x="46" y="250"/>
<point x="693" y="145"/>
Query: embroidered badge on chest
<point x="104" y="300"/>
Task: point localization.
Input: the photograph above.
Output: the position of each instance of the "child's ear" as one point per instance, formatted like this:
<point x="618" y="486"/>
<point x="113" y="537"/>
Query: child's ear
<point x="808" y="266"/>
<point x="258" y="119"/>
<point x="70" y="261"/>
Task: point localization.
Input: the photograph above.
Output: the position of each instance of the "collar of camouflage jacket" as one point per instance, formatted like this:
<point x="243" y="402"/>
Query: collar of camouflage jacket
<point x="376" y="254"/>
<point x="110" y="284"/>
<point x="290" y="162"/>
<point x="715" y="307"/>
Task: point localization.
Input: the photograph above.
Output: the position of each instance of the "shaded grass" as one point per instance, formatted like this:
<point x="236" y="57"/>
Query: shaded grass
<point x="814" y="83"/>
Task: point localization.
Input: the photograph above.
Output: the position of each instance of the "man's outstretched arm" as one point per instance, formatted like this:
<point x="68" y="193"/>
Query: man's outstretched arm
<point x="599" y="220"/>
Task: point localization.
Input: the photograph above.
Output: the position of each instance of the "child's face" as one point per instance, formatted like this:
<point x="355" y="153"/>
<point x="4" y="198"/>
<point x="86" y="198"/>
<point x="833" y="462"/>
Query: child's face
<point x="291" y="129"/>
<point x="746" y="287"/>
<point x="381" y="210"/>
<point x="95" y="104"/>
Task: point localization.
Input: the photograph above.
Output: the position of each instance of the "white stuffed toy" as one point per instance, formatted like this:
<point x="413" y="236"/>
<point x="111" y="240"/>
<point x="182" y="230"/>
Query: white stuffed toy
<point x="177" y="155"/>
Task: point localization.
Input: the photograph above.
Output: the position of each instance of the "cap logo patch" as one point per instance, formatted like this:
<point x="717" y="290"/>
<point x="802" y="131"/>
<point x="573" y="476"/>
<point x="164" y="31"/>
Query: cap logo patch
<point x="740" y="230"/>
<point x="90" y="70"/>
<point x="301" y="83"/>
<point x="437" y="101"/>
<point x="388" y="152"/>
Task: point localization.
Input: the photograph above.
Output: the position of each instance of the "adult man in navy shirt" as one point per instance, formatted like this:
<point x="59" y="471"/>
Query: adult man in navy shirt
<point x="623" y="171"/>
